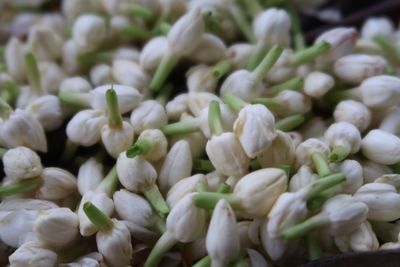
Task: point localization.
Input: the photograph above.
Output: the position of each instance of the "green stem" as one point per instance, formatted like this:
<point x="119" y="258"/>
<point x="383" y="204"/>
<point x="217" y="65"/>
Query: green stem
<point x="309" y="54"/>
<point x="203" y="165"/>
<point x="268" y="62"/>
<point x="291" y="122"/>
<point x="224" y="188"/>
<point x="318" y="201"/>
<point x="212" y="23"/>
<point x="391" y="51"/>
<point x="271" y="103"/>
<point x="181" y="127"/>
<point x="154" y="196"/>
<point x="135" y="32"/>
<point x="314" y="250"/>
<point x="135" y="10"/>
<point x="256" y="56"/>
<point x="5" y="109"/>
<point x="298" y="37"/>
<point x="93" y="58"/>
<point x="21" y="187"/>
<point x="222" y="68"/>
<point x="208" y="200"/>
<point x="320" y="164"/>
<point x="12" y="91"/>
<point x="81" y="100"/>
<point x="241" y="21"/>
<point x="109" y="184"/>
<point x="204" y="262"/>
<point x="201" y="187"/>
<point x="158" y="224"/>
<point x="163" y="245"/>
<point x="97" y="217"/>
<point x="303" y="228"/>
<point x="335" y="96"/>
<point x="2" y="152"/>
<point x="165" y="94"/>
<point x="33" y="73"/>
<point x="168" y="62"/>
<point x="339" y="153"/>
<point x="286" y="169"/>
<point x="234" y="102"/>
<point x="295" y="83"/>
<point x="214" y="118"/>
<point x="321" y="185"/>
<point x="114" y="116"/>
<point x="141" y="147"/>
<point x="164" y="28"/>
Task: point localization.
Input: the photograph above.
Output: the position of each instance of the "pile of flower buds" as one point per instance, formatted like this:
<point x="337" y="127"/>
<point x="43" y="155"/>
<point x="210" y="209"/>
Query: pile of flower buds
<point x="198" y="133"/>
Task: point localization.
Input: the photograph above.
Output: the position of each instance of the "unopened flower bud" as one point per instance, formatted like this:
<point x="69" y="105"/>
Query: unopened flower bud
<point x="302" y="178"/>
<point x="51" y="75"/>
<point x="313" y="151"/>
<point x="44" y="43"/>
<point x="356" y="68"/>
<point x="197" y="101"/>
<point x="342" y="41"/>
<point x="174" y="170"/>
<point x="377" y="26"/>
<point x="184" y="187"/>
<point x="201" y="79"/>
<point x="153" y="52"/>
<point x="317" y="84"/>
<point x="21" y="163"/>
<point x="373" y="170"/>
<point x="353" y="112"/>
<point x="210" y="49"/>
<point x="149" y="114"/>
<point x="88" y="32"/>
<point x="354" y="176"/>
<point x="47" y="110"/>
<point x="240" y="54"/>
<point x="380" y="91"/>
<point x="177" y="106"/>
<point x="151" y="144"/>
<point x="129" y="73"/>
<point x="391" y="122"/>
<point x="90" y="175"/>
<point x="314" y="128"/>
<point x="101" y="74"/>
<point x="382" y="200"/>
<point x="222" y="236"/>
<point x="14" y="58"/>
<point x="362" y="239"/>
<point x="381" y="147"/>
<point x="75" y="84"/>
<point x="117" y="139"/>
<point x="33" y="254"/>
<point x="56" y="184"/>
<point x="293" y="103"/>
<point x="127" y="53"/>
<point x="56" y="227"/>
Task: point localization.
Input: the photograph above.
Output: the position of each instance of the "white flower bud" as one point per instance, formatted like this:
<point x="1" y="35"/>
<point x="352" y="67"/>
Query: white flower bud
<point x="222" y="242"/>
<point x="240" y="54"/>
<point x="381" y="147"/>
<point x="102" y="202"/>
<point x="258" y="191"/>
<point x="90" y="175"/>
<point x="186" y="222"/>
<point x="354" y="176"/>
<point x="255" y="129"/>
<point x="390" y="245"/>
<point x="88" y="32"/>
<point x="56" y="184"/>
<point x="197" y="101"/>
<point x="115" y="245"/>
<point x="21" y="163"/>
<point x="362" y="239"/>
<point x="356" y="68"/>
<point x="344" y="214"/>
<point x="342" y="41"/>
<point x="174" y="170"/>
<point x="17" y="216"/>
<point x="391" y="122"/>
<point x="314" y="128"/>
<point x="152" y="53"/>
<point x="353" y="112"/>
<point x="135" y="174"/>
<point x="343" y="134"/>
<point x="21" y="128"/>
<point x="242" y="84"/>
<point x="51" y="76"/>
<point x="377" y="26"/>
<point x="47" y="110"/>
<point x="282" y="69"/>
<point x="71" y="9"/>
<point x="380" y="91"/>
<point x="117" y="140"/>
<point x="14" y="58"/>
<point x="159" y="144"/>
<point x="373" y="170"/>
<point x="317" y="84"/>
<point x="201" y="79"/>
<point x="75" y="84"/>
<point x="184" y="187"/>
<point x="272" y="26"/>
<point x="44" y="43"/>
<point x="55" y="22"/>
<point x="305" y="150"/>
<point x="302" y="178"/>
<point x="56" y="227"/>
<point x="197" y="142"/>
<point x="70" y="62"/>
<point x="85" y="127"/>
<point x="293" y="102"/>
<point x="33" y="254"/>
<point x="128" y="97"/>
<point x="382" y="200"/>
<point x="227" y="155"/>
<point x="149" y="114"/>
<point x="210" y="49"/>
<point x="281" y="151"/>
<point x="177" y="106"/>
<point x="129" y="73"/>
<point x="127" y="53"/>
<point x="101" y="74"/>
<point x="186" y="33"/>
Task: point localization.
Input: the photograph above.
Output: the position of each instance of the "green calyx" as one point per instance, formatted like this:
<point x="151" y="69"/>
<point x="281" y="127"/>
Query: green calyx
<point x="203" y="166"/>
<point x="303" y="228"/>
<point x="140" y="148"/>
<point x="339" y="153"/>
<point x="163" y="245"/>
<point x="97" y="217"/>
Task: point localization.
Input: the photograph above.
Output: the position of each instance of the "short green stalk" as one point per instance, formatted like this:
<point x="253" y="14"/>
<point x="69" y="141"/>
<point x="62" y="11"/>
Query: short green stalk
<point x="271" y="103"/>
<point x="2" y="152"/>
<point x="224" y="188"/>
<point x="212" y="23"/>
<point x="97" y="217"/>
<point x="163" y="245"/>
<point x="10" y="92"/>
<point x="154" y="196"/>
<point x="158" y="224"/>
<point x="109" y="184"/>
<point x="267" y="63"/>
<point x="69" y="151"/>
<point x="201" y="187"/>
<point x="286" y="168"/>
<point x="320" y="164"/>
<point x="241" y="22"/>
<point x="295" y="83"/>
<point x="214" y="118"/>
<point x="80" y="100"/>
<point x="204" y="262"/>
<point x="164" y="94"/>
<point x="181" y="127"/>
<point x="256" y="56"/>
<point x="234" y="102"/>
<point x="290" y="123"/>
<point x="339" y="153"/>
<point x="20" y="187"/>
<point x="303" y="228"/>
<point x="222" y="68"/>
<point x="140" y="148"/>
<point x="114" y="116"/>
<point x="391" y="51"/>
<point x="314" y="249"/>
<point x="33" y="73"/>
<point x="321" y="185"/>
<point x="203" y="165"/>
<point x="5" y="109"/>
<point x="208" y="200"/>
<point x="168" y="62"/>
<point x="241" y="262"/>
<point x="96" y="57"/>
<point x="309" y="54"/>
